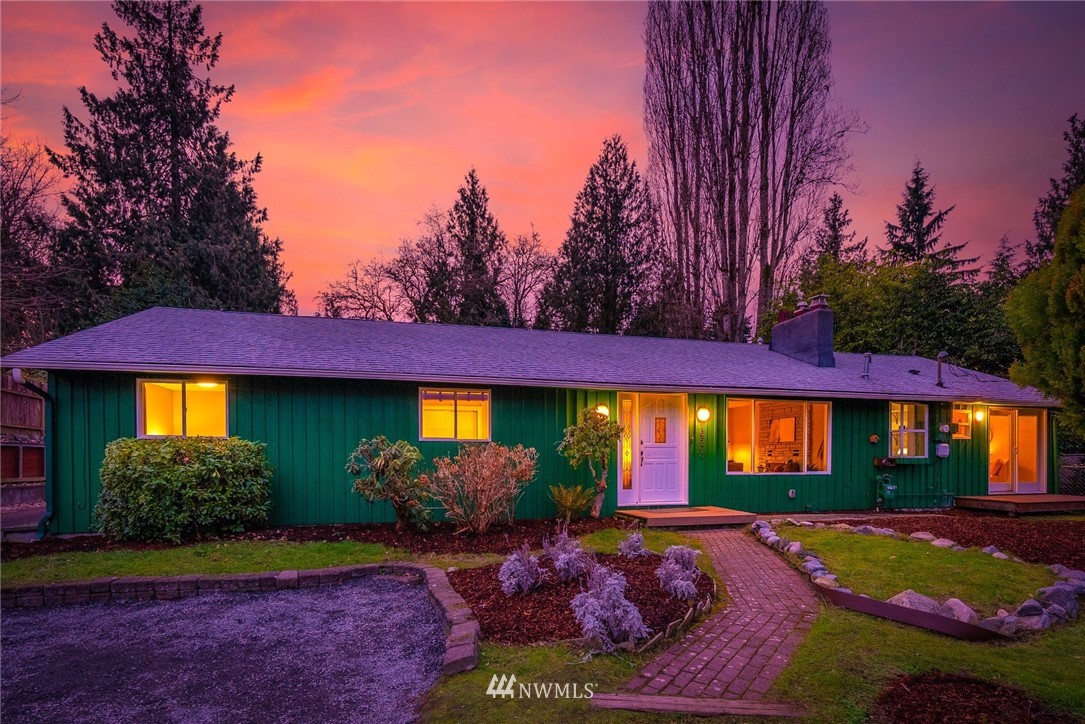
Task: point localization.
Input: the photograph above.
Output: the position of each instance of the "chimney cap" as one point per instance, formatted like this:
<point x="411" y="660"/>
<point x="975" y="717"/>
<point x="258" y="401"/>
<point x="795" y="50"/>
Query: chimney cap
<point x="819" y="301"/>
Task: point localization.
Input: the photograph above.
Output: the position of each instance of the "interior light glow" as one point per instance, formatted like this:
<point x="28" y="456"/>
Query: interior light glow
<point x="207" y="385"/>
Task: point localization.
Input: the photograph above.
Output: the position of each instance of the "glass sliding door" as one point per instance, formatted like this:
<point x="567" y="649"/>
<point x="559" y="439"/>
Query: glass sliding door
<point x="1016" y="461"/>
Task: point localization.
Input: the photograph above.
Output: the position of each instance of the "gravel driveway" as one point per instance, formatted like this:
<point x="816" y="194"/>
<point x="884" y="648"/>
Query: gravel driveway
<point x="364" y="651"/>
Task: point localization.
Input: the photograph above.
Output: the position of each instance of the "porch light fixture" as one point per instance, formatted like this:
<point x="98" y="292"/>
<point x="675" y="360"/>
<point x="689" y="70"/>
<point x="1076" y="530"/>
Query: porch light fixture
<point x="979" y="415"/>
<point x="703" y="414"/>
<point x="603" y="410"/>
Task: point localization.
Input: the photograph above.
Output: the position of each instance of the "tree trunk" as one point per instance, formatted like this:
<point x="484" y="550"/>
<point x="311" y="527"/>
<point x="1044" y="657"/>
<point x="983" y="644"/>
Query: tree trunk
<point x="600" y="491"/>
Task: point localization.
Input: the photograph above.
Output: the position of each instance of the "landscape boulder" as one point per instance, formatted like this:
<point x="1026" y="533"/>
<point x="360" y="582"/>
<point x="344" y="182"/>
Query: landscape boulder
<point x="1074" y="586"/>
<point x="961" y="611"/>
<point x="1058" y="595"/>
<point x="795" y="548"/>
<point x="1005" y="625"/>
<point x="917" y="601"/>
<point x="1034" y="623"/>
<point x="1031" y="607"/>
<point x="943" y="543"/>
<point x="840" y="526"/>
<point x="999" y="555"/>
<point x="923" y="535"/>
<point x="1057" y="613"/>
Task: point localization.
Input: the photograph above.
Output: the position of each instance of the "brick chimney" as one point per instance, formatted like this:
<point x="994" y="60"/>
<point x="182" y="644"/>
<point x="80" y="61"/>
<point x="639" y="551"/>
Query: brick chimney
<point x="808" y="336"/>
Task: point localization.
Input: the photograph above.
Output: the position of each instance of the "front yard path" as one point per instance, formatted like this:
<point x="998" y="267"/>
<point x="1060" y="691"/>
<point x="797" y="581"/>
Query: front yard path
<point x="737" y="653"/>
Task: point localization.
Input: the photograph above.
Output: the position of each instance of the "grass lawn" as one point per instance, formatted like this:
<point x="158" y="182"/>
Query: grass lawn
<point x="234" y="557"/>
<point x="848" y="657"/>
<point x="882" y="567"/>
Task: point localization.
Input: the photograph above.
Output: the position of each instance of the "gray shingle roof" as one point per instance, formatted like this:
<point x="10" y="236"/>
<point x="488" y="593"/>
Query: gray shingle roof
<point x="186" y="340"/>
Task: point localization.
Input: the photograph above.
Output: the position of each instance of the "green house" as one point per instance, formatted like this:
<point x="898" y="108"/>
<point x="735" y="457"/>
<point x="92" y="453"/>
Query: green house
<point x="787" y="427"/>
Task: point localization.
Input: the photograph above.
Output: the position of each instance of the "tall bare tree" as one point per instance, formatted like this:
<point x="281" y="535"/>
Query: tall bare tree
<point x="744" y="139"/>
<point x="526" y="268"/>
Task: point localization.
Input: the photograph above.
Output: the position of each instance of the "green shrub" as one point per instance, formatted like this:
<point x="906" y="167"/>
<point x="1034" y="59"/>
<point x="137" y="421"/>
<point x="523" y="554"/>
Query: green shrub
<point x="571" y="502"/>
<point x="172" y="488"/>
<point x="386" y="471"/>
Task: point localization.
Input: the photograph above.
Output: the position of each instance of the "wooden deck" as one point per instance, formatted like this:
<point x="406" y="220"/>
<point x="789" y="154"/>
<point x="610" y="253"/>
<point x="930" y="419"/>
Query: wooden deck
<point x="687" y="517"/>
<point x="1022" y="504"/>
<point x="695" y="706"/>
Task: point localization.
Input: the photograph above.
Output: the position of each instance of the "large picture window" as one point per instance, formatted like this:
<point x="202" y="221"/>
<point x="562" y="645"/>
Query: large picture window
<point x="181" y="408"/>
<point x="454" y="415"/>
<point x="907" y="430"/>
<point x="778" y="436"/>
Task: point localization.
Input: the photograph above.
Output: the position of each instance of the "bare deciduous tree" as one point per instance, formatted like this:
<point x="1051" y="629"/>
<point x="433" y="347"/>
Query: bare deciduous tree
<point x="526" y="268"/>
<point x="744" y="138"/>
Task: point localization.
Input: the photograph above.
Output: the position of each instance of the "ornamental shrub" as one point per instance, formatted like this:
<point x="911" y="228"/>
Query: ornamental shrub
<point x="604" y="613"/>
<point x="633" y="546"/>
<point x="386" y="471"/>
<point x="172" y="488"/>
<point x="678" y="573"/>
<point x="571" y="502"/>
<point x="481" y="485"/>
<point x="520" y="572"/>
<point x="569" y="559"/>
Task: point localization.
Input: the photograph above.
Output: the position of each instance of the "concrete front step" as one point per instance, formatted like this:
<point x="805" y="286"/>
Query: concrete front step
<point x="687" y="517"/>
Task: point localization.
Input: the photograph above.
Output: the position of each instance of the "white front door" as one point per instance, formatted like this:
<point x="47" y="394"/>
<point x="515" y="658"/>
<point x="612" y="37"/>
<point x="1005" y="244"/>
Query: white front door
<point x="663" y="448"/>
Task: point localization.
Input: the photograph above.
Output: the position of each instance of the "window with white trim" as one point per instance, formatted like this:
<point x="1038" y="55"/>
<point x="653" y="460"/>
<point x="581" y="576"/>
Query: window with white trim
<point x="181" y="408"/>
<point x="907" y="430"/>
<point x="778" y="436"/>
<point x="462" y="415"/>
<point x="962" y="421"/>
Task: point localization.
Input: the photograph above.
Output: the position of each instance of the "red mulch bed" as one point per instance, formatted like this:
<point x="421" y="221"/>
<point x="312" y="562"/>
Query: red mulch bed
<point x="439" y="539"/>
<point x="1036" y="540"/>
<point x="937" y="698"/>
<point x="545" y="614"/>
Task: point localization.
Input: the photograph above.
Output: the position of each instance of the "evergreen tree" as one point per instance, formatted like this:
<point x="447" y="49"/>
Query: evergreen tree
<point x="917" y="234"/>
<point x="607" y="262"/>
<point x="479" y="245"/>
<point x="162" y="210"/>
<point x="1047" y="313"/>
<point x="833" y="238"/>
<point x="1050" y="207"/>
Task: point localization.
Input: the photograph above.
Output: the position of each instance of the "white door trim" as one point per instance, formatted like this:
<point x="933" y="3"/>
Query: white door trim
<point x="683" y="451"/>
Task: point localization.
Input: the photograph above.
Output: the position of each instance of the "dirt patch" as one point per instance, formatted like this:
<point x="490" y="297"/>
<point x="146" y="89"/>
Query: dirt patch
<point x="938" y="698"/>
<point x="441" y="539"/>
<point x="545" y="613"/>
<point x="1035" y="540"/>
<point x="363" y="651"/>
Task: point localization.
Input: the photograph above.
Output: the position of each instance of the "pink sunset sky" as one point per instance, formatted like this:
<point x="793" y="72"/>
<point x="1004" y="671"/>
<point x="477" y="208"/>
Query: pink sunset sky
<point x="368" y="114"/>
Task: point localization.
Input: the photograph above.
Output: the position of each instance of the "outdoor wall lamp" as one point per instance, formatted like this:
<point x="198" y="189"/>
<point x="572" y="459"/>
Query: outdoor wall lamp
<point x="703" y="414"/>
<point x="979" y="415"/>
<point x="603" y="410"/>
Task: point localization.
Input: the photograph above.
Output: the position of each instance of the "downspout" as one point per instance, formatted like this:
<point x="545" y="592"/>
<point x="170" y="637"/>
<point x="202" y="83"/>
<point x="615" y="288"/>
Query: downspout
<point x="43" y="524"/>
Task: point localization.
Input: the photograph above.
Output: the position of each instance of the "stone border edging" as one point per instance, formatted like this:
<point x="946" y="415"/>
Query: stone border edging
<point x="461" y="627"/>
<point x="1053" y="604"/>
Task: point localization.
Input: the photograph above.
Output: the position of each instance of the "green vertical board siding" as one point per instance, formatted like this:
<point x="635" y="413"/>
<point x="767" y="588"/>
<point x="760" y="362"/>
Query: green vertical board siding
<point x="311" y="425"/>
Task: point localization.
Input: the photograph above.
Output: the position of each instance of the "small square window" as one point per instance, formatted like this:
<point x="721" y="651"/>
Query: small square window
<point x="179" y="408"/>
<point x="962" y="421"/>
<point x="907" y="430"/>
<point x="454" y="415"/>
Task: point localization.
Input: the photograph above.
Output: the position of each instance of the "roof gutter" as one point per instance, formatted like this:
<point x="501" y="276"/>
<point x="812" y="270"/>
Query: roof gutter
<point x="50" y="450"/>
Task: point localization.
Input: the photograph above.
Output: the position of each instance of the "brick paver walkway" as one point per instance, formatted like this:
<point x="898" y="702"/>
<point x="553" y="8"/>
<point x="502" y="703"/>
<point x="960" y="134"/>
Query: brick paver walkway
<point x="738" y="652"/>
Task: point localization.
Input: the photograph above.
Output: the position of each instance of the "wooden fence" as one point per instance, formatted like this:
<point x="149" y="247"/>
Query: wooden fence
<point x="22" y="433"/>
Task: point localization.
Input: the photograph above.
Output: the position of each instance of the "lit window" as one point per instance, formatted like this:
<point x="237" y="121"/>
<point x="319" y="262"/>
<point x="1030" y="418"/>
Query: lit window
<point x="454" y="415"/>
<point x="962" y="421"/>
<point x="182" y="409"/>
<point x="625" y="403"/>
<point x="778" y="436"/>
<point x="907" y="430"/>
